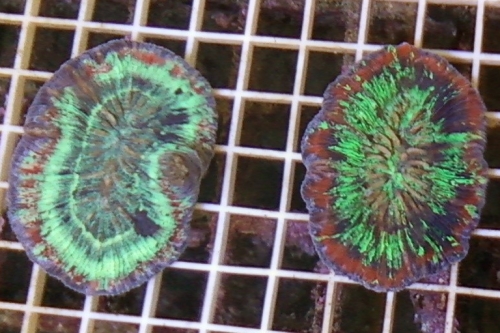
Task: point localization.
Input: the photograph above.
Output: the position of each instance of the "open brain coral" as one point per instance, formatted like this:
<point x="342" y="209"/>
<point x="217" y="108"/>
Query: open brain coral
<point x="105" y="178"/>
<point x="395" y="172"/>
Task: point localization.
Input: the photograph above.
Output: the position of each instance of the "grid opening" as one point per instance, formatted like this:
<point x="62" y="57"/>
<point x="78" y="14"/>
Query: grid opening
<point x="59" y="9"/>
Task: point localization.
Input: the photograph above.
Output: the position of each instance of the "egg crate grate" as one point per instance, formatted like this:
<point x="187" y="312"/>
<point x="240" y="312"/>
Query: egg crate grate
<point x="250" y="265"/>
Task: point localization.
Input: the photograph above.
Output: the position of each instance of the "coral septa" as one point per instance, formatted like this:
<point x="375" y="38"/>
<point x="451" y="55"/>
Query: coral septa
<point x="399" y="125"/>
<point x="104" y="182"/>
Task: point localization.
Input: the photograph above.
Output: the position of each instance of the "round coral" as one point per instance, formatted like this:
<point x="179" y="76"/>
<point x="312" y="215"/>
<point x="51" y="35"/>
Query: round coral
<point x="105" y="178"/>
<point x="395" y="176"/>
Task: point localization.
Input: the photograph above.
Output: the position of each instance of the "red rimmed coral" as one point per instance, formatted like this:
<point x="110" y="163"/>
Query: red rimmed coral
<point x="395" y="176"/>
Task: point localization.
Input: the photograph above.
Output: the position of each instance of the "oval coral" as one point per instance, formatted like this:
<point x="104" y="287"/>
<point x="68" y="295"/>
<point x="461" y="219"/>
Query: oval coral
<point x="395" y="177"/>
<point x="105" y="178"/>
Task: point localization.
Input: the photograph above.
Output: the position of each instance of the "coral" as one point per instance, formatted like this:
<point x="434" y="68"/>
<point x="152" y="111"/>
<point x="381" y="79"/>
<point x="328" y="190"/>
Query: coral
<point x="395" y="171"/>
<point x="105" y="178"/>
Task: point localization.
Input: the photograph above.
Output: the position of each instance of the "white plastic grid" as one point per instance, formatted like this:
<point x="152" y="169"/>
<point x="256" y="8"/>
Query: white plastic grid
<point x="29" y="21"/>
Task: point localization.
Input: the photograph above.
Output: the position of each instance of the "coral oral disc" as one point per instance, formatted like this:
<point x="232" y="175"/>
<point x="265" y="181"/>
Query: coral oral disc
<point x="104" y="181"/>
<point x="395" y="176"/>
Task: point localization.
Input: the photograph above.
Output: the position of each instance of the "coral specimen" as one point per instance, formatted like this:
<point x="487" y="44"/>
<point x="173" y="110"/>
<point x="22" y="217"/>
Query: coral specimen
<point x="104" y="181"/>
<point x="395" y="172"/>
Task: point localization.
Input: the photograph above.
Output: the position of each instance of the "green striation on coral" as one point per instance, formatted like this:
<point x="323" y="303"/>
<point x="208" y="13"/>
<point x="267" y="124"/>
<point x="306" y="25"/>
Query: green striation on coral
<point x="105" y="179"/>
<point x="402" y="136"/>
